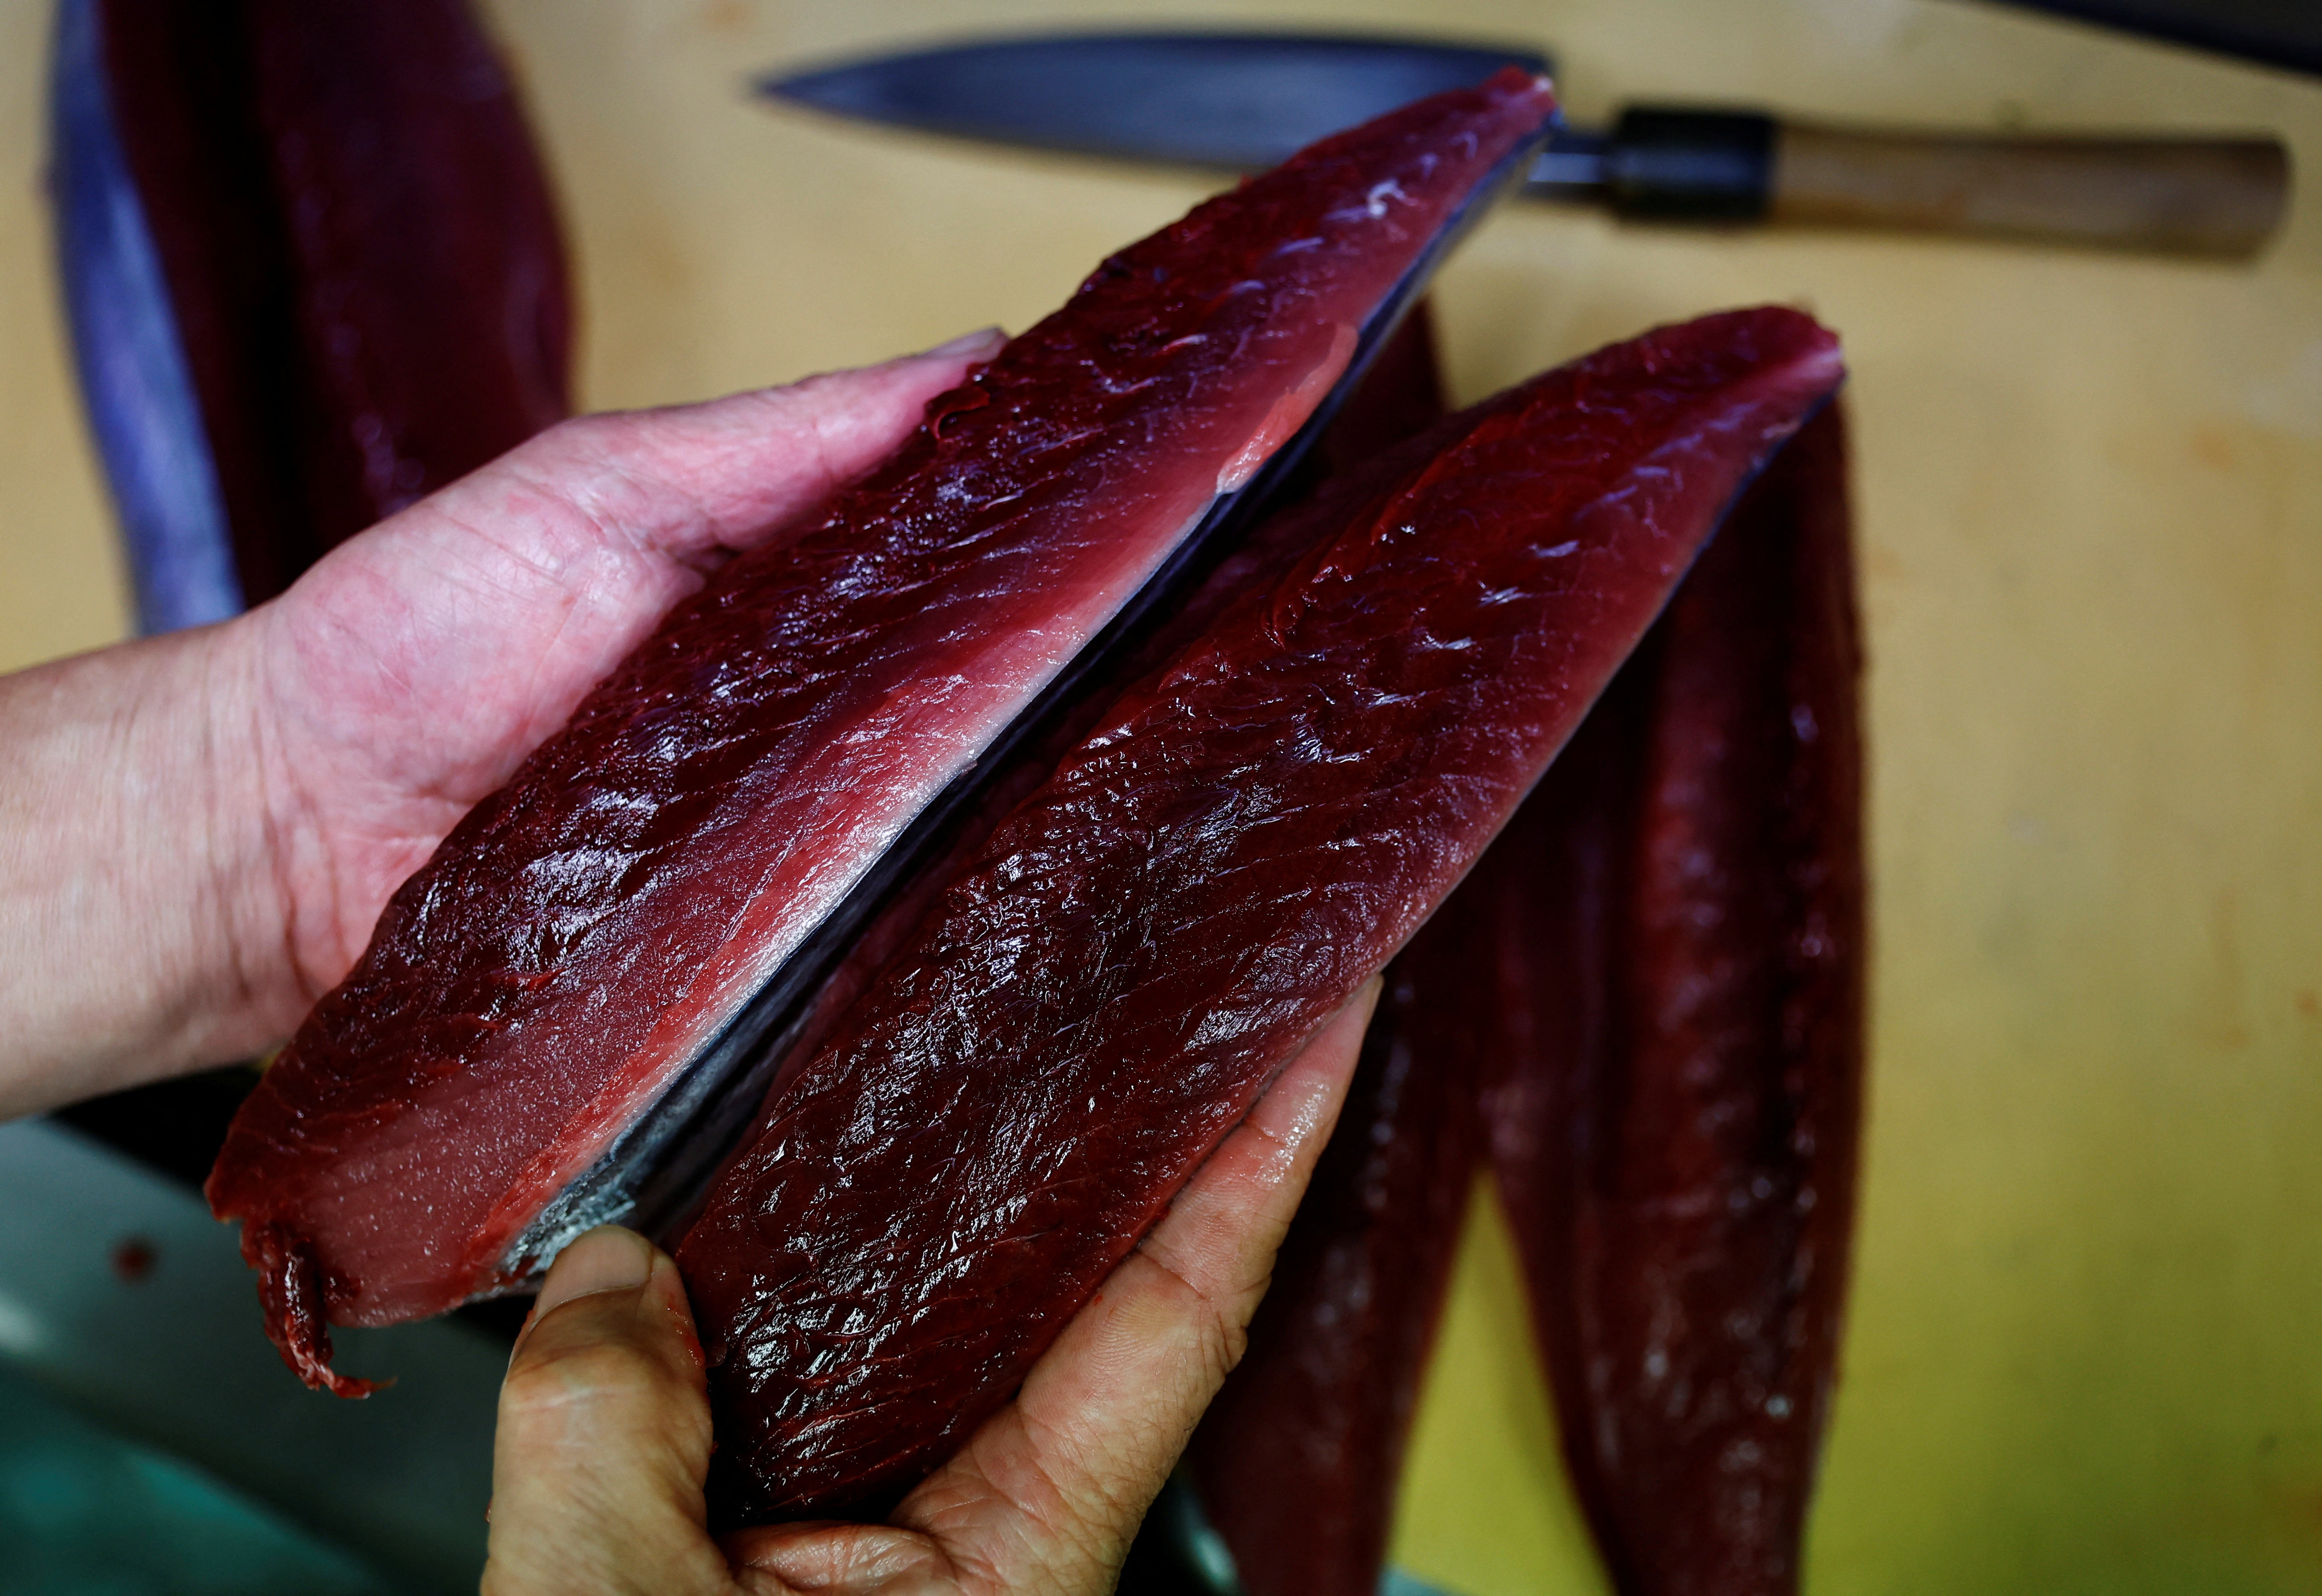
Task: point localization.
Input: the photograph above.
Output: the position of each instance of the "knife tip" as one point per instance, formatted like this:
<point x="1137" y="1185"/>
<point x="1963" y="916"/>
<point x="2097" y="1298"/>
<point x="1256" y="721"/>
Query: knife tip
<point x="784" y="85"/>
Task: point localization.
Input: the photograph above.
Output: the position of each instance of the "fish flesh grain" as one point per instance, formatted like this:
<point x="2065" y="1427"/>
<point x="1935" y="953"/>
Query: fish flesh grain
<point x="1396" y="395"/>
<point x="691" y="852"/>
<point x="1296" y="1463"/>
<point x="691" y="857"/>
<point x="1676" y="1074"/>
<point x="880" y="1266"/>
<point x="313" y="269"/>
<point x="1249" y="836"/>
<point x="568" y="1015"/>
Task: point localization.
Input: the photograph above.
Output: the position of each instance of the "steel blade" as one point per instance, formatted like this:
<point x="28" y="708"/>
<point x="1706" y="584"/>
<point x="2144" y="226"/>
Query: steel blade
<point x="1242" y="101"/>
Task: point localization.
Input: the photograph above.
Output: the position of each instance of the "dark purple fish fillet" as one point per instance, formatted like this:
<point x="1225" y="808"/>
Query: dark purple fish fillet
<point x="1679" y="1063"/>
<point x="1144" y="944"/>
<point x="1297" y="1461"/>
<point x="1399" y="394"/>
<point x="1396" y="395"/>
<point x="314" y="270"/>
<point x="583" y="989"/>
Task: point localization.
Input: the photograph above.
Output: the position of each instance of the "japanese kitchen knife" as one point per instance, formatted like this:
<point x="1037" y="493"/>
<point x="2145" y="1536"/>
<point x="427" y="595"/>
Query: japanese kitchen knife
<point x="1244" y="101"/>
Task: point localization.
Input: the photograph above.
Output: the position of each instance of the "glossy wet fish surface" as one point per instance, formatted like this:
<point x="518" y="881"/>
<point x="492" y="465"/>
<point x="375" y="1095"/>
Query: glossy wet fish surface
<point x="596" y="927"/>
<point x="356" y="269"/>
<point x="1677" y="1047"/>
<point x="1249" y="837"/>
<point x="1297" y="1461"/>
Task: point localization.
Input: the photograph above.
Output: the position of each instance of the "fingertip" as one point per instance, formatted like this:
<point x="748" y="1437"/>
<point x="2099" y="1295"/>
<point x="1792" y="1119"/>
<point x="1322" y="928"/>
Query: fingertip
<point x="667" y="1286"/>
<point x="611" y="1259"/>
<point x="603" y="1432"/>
<point x="606" y="1259"/>
<point x="1296" y="1113"/>
<point x="1331" y="1054"/>
<point x="981" y="345"/>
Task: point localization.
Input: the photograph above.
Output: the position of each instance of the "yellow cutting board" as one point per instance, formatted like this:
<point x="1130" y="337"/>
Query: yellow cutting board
<point x="2085" y="1353"/>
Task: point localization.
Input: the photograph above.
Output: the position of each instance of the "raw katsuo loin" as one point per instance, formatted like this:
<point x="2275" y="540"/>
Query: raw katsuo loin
<point x="570" y="1012"/>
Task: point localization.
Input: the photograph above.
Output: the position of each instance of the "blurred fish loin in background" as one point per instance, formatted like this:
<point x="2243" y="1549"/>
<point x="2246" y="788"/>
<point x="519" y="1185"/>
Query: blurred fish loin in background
<point x="313" y="270"/>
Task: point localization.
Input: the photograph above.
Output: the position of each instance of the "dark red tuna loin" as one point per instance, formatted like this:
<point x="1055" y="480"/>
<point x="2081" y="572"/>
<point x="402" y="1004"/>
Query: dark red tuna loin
<point x="1397" y="395"/>
<point x="1679" y="1049"/>
<point x="590" y="977"/>
<point x="359" y="254"/>
<point x="1250" y="835"/>
<point x="1297" y="1461"/>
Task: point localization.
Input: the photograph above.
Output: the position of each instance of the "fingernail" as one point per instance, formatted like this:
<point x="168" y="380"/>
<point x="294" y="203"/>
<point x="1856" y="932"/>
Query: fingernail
<point x="968" y="343"/>
<point x="606" y="1259"/>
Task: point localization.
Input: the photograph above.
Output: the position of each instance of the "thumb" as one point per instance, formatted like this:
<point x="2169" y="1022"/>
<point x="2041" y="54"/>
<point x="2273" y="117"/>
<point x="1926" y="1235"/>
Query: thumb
<point x="603" y="1433"/>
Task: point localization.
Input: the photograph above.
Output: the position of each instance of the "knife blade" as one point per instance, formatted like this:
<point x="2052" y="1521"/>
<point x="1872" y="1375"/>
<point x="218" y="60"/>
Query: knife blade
<point x="1242" y="101"/>
<point x="1239" y="101"/>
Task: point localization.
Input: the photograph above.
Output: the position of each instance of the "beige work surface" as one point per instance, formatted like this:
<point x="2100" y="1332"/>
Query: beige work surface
<point x="2085" y="1352"/>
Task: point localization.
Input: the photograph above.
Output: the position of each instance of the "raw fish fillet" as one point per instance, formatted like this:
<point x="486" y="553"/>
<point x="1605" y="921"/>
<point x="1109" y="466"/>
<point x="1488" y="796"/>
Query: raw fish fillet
<point x="1297" y="1461"/>
<point x="1140" y="948"/>
<point x="1679" y="1047"/>
<point x="567" y="1015"/>
<point x="313" y="272"/>
<point x="1397" y="395"/>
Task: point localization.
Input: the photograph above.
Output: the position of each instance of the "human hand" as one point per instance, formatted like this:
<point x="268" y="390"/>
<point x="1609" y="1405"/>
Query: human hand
<point x="199" y="830"/>
<point x="605" y="1432"/>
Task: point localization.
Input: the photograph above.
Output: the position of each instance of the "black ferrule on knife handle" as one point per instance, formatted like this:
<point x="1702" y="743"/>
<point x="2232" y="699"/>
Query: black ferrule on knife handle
<point x="1690" y="165"/>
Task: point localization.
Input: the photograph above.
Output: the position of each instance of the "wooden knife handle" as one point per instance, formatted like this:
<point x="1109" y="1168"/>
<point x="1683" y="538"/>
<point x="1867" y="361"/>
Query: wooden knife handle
<point x="2214" y="196"/>
<point x="2218" y="196"/>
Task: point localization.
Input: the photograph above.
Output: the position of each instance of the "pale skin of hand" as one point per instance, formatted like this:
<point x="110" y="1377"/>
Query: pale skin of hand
<point x="605" y="1430"/>
<point x="198" y="832"/>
